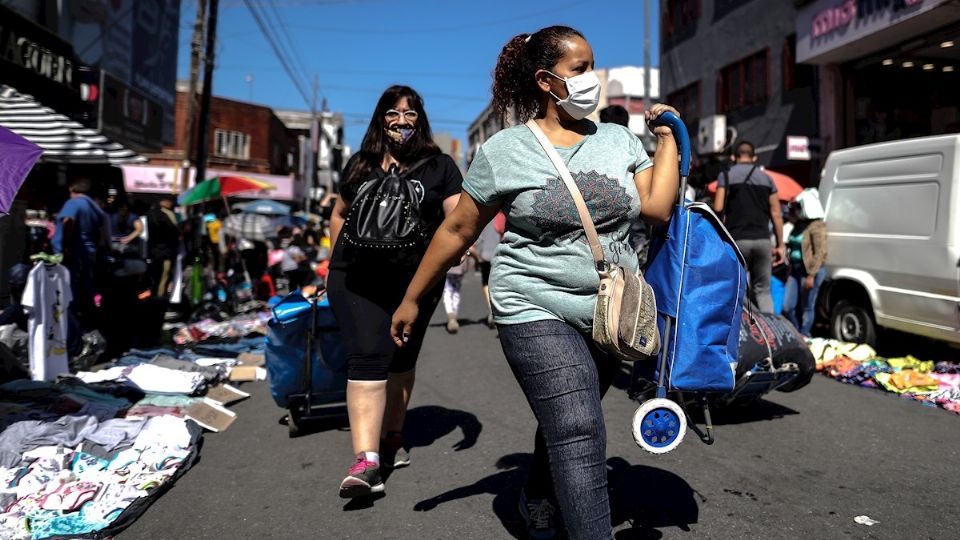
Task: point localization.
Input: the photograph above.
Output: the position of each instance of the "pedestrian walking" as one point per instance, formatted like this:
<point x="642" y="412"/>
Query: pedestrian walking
<point x="543" y="282"/>
<point x="365" y="285"/>
<point x="485" y="250"/>
<point x="451" y="295"/>
<point x="83" y="230"/>
<point x="807" y="254"/>
<point x="748" y="201"/>
<point x="163" y="245"/>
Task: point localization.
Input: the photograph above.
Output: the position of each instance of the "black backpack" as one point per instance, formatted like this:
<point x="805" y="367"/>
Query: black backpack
<point x="383" y="223"/>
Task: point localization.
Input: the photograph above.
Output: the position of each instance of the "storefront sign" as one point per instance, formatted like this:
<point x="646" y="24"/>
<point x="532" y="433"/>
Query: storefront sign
<point x="129" y="117"/>
<point x="835" y="31"/>
<point x="840" y="16"/>
<point x="167" y="180"/>
<point x="164" y="180"/>
<point x="798" y="148"/>
<point x="31" y="57"/>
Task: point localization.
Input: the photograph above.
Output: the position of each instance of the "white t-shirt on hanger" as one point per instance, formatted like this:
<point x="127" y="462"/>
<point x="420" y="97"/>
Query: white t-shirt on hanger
<point x="46" y="298"/>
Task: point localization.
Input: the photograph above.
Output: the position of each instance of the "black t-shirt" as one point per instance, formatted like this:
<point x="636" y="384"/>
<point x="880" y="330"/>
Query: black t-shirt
<point x="438" y="179"/>
<point x="746" y="209"/>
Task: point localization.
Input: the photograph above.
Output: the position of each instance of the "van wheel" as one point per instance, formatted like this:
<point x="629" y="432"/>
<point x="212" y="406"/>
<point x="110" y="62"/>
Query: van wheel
<point x="853" y="323"/>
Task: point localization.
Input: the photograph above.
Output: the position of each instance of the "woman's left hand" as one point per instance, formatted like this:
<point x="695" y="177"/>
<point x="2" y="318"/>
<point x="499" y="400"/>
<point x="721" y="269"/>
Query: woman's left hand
<point x="653" y="112"/>
<point x="402" y="325"/>
<point x="808" y="282"/>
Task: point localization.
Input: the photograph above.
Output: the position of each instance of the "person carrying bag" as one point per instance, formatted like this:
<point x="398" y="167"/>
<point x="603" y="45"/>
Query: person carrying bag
<point x="625" y="319"/>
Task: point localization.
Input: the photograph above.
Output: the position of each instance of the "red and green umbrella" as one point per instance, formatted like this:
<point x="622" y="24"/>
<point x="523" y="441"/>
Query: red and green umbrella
<point x="221" y="187"/>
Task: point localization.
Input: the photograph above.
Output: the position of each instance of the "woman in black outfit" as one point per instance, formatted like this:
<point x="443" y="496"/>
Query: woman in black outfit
<point x="364" y="296"/>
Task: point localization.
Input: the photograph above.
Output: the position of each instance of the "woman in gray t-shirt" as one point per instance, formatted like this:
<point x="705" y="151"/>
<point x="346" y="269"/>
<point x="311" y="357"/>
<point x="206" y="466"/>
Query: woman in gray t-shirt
<point x="544" y="284"/>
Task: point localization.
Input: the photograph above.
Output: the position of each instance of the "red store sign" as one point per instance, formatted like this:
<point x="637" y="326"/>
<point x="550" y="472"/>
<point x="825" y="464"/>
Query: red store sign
<point x="835" y="18"/>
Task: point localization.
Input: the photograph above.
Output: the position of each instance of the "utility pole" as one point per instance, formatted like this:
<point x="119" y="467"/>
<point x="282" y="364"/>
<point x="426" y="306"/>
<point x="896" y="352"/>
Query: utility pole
<point x="647" y="102"/>
<point x="196" y="46"/>
<point x="207" y="90"/>
<point x="314" y="150"/>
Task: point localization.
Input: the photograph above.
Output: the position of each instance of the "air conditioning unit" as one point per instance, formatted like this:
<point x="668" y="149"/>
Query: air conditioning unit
<point x="712" y="134"/>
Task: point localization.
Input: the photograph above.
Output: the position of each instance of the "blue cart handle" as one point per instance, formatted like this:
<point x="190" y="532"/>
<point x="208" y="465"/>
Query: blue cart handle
<point x="680" y="134"/>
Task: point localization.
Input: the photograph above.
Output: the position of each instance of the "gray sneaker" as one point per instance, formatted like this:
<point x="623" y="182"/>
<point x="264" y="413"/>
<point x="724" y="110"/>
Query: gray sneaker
<point x="392" y="453"/>
<point x="540" y="516"/>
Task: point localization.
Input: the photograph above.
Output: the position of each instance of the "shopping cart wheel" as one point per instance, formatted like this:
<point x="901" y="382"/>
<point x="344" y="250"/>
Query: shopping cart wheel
<point x="659" y="425"/>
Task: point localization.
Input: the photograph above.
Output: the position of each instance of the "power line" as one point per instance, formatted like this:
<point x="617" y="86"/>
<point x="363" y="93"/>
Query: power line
<point x="285" y="33"/>
<point x="276" y="50"/>
<point x="441" y="29"/>
<point x="368" y="72"/>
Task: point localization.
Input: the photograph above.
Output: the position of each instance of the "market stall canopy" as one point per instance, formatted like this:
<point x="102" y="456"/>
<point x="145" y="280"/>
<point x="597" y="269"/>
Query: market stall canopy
<point x="787" y="188"/>
<point x="268" y="207"/>
<point x="62" y="139"/>
<point x="17" y="156"/>
<point x="222" y="186"/>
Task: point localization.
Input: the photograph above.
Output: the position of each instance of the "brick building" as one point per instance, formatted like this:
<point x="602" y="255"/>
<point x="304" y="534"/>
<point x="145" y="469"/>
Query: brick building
<point x="241" y="137"/>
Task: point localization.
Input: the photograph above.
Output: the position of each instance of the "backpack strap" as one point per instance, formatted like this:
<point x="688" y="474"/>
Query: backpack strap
<point x="410" y="170"/>
<point x="588" y="227"/>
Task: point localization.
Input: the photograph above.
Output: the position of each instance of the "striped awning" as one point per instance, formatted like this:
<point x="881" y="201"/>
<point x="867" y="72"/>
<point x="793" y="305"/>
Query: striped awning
<point x="62" y="139"/>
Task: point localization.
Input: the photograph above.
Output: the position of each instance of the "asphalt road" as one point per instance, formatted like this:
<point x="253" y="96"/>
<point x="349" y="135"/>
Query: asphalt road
<point x="800" y="465"/>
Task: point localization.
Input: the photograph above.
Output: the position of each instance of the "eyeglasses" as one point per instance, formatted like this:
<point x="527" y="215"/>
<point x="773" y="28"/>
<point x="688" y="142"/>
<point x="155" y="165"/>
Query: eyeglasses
<point x="394" y="114"/>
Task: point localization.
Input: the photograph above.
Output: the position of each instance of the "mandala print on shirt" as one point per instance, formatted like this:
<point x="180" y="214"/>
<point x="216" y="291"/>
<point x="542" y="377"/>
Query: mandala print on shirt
<point x="555" y="212"/>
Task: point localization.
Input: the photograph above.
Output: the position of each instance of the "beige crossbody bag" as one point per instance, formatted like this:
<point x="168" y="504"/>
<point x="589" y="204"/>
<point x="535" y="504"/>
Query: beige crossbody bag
<point x="625" y="318"/>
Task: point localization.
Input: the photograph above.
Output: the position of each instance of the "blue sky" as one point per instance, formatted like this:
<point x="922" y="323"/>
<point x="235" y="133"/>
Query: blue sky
<point x="356" y="48"/>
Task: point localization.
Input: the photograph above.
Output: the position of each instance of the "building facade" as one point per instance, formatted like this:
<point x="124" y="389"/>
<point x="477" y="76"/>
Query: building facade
<point x="888" y="69"/>
<point x="242" y="137"/>
<point x="729" y="67"/>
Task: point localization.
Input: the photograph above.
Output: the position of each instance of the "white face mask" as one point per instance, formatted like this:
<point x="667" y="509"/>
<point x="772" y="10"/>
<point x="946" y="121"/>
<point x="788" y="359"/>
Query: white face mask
<point x="583" y="94"/>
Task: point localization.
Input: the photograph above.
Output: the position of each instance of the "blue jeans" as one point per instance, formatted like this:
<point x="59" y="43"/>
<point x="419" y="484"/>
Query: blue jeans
<point x="797" y="300"/>
<point x="564" y="376"/>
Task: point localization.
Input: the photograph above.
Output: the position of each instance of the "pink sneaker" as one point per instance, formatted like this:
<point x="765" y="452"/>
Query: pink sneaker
<point x="362" y="479"/>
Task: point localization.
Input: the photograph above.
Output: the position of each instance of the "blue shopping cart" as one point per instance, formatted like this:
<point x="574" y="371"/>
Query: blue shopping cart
<point x="699" y="281"/>
<point x="306" y="362"/>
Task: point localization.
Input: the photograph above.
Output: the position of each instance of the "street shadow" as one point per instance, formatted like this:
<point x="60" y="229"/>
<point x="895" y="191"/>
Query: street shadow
<point x="336" y="420"/>
<point x="362" y="503"/>
<point x="505" y="485"/>
<point x="650" y="499"/>
<point x="758" y="411"/>
<point x="425" y="425"/>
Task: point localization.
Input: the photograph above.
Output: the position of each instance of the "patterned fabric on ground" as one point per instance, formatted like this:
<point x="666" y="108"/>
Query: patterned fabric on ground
<point x="910" y="362"/>
<point x="908" y="381"/>
<point x="826" y="350"/>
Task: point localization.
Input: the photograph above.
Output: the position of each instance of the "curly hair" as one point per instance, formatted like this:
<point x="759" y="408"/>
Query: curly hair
<point x="514" y="85"/>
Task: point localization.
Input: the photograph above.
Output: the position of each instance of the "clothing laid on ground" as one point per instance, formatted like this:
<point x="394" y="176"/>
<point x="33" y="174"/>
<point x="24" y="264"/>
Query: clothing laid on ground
<point x="364" y="298"/>
<point x="746" y="206"/>
<point x="543" y="268"/>
<point x="46" y="299"/>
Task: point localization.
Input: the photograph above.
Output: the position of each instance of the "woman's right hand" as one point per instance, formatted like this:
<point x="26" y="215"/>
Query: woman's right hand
<point x="402" y="324"/>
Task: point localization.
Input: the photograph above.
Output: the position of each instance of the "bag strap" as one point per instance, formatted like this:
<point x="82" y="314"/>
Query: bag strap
<point x="409" y="170"/>
<point x="588" y="227"/>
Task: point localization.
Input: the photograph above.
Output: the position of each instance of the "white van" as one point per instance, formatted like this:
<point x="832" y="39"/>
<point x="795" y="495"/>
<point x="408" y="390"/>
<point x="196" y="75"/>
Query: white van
<point x="893" y="229"/>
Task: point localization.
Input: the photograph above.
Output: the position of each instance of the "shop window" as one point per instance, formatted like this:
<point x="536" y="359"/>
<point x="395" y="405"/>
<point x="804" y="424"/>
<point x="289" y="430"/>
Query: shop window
<point x="231" y="144"/>
<point x="744" y="83"/>
<point x="680" y="16"/>
<point x="687" y="101"/>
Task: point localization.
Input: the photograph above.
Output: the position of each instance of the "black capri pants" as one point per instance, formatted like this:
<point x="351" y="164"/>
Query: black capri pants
<point x="363" y="301"/>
